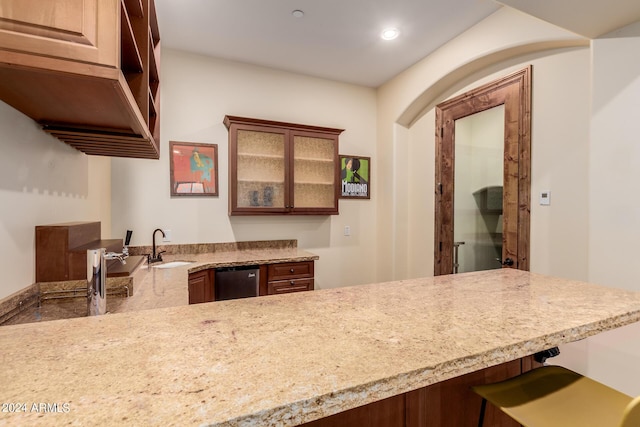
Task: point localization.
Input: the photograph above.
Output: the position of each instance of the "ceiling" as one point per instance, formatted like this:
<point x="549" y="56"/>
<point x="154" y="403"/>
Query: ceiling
<point x="340" y="39"/>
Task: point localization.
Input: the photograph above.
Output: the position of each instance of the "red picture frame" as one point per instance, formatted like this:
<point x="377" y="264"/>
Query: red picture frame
<point x="193" y="169"/>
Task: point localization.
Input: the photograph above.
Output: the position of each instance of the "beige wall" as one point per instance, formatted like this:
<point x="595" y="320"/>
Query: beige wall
<point x="197" y="92"/>
<point x="42" y="181"/>
<point x="584" y="150"/>
<point x="485" y="50"/>
<point x="559" y="126"/>
<point x="614" y="201"/>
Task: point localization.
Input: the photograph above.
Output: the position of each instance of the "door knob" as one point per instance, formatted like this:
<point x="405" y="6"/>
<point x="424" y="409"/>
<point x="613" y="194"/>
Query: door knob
<point x="508" y="262"/>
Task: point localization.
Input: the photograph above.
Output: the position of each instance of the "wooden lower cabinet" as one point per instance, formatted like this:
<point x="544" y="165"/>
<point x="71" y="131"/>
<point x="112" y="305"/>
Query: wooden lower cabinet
<point x="274" y="279"/>
<point x="201" y="286"/>
<point x="449" y="403"/>
<point x="289" y="277"/>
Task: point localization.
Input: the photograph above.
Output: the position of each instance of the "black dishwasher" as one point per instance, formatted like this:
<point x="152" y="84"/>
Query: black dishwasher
<point x="236" y="282"/>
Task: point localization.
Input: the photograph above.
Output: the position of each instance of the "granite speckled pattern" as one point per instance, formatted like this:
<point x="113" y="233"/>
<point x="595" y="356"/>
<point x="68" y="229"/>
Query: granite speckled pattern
<point x="287" y="359"/>
<point x="156" y="288"/>
<point x="150" y="287"/>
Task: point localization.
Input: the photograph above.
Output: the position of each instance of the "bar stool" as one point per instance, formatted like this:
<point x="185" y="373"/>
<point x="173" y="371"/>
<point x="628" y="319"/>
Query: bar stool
<point x="553" y="396"/>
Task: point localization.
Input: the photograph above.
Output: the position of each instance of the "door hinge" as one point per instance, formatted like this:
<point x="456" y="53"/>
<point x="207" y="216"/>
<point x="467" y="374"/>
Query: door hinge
<point x="441" y="246"/>
<point x="440" y="188"/>
<point x="442" y="132"/>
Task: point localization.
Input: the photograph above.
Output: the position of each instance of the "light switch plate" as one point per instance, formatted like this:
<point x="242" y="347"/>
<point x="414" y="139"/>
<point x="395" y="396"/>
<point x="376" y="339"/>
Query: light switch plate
<point x="167" y="236"/>
<point x="545" y="198"/>
<point x="347" y="230"/>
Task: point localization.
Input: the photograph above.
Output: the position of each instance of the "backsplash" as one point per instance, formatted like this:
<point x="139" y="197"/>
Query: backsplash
<point x="201" y="248"/>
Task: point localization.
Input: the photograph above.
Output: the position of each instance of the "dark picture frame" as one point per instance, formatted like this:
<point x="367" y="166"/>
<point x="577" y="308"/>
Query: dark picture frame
<point x="355" y="177"/>
<point x="193" y="169"/>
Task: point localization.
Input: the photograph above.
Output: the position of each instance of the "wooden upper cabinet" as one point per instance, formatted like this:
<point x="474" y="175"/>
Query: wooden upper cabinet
<point x="86" y="70"/>
<point x="78" y="30"/>
<point x="282" y="168"/>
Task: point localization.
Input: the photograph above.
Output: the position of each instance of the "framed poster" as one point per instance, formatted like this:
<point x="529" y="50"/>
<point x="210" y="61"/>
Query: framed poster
<point x="355" y="176"/>
<point x="194" y="169"/>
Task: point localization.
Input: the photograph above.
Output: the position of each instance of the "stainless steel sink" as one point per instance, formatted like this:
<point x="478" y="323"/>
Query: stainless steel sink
<point x="173" y="264"/>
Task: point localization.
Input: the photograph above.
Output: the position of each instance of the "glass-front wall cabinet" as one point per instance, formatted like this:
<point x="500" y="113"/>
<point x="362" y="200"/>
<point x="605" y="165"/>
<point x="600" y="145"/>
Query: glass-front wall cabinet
<point x="314" y="177"/>
<point x="282" y="168"/>
<point x="260" y="169"/>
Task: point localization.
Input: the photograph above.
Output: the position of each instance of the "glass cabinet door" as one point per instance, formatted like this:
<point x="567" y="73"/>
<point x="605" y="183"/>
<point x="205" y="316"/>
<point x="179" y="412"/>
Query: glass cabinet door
<point x="261" y="169"/>
<point x="314" y="171"/>
<point x="282" y="168"/>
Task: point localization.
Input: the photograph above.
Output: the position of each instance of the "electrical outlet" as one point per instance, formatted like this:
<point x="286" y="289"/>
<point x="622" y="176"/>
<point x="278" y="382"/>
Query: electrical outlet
<point x="347" y="230"/>
<point x="167" y="236"/>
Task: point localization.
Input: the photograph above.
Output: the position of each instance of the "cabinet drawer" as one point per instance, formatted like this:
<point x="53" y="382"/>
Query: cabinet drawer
<point x="290" y="270"/>
<point x="287" y="286"/>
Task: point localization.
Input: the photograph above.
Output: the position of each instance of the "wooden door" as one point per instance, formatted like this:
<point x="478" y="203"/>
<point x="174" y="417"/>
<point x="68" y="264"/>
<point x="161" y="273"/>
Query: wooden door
<point x="514" y="92"/>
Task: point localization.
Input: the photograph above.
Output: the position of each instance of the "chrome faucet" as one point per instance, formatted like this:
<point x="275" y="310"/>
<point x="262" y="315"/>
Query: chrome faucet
<point x="122" y="257"/>
<point x="155" y="257"/>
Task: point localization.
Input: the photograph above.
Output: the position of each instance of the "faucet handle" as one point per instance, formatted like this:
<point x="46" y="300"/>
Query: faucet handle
<point x="160" y="255"/>
<point x="119" y="256"/>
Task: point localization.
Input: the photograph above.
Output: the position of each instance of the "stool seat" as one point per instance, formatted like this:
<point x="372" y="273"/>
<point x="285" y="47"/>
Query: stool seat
<point x="555" y="396"/>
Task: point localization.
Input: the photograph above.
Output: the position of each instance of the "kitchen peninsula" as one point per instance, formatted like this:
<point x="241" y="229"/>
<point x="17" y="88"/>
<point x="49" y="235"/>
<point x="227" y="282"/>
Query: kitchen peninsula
<point x="288" y="359"/>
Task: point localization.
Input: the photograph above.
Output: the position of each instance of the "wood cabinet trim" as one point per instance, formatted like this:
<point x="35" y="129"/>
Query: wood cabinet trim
<point x="229" y="120"/>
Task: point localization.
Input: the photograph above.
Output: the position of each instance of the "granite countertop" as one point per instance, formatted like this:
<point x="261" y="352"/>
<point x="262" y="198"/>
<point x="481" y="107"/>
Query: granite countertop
<point x="156" y="287"/>
<point x="286" y="359"/>
<point x="159" y="287"/>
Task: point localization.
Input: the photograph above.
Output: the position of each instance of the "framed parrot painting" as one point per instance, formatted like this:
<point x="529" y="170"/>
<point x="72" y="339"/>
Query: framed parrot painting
<point x="194" y="169"/>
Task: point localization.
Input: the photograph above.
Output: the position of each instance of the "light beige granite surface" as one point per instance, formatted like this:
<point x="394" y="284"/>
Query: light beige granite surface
<point x="153" y="287"/>
<point x="287" y="359"/>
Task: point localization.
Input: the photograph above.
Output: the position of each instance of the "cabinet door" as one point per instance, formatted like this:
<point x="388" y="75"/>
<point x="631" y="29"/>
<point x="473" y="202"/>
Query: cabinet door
<point x="315" y="172"/>
<point x="201" y="287"/>
<point x="261" y="167"/>
<point x="77" y="30"/>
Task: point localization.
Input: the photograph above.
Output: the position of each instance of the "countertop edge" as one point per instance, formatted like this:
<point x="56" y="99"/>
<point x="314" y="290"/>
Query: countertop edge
<point x="221" y="264"/>
<point x="328" y="404"/>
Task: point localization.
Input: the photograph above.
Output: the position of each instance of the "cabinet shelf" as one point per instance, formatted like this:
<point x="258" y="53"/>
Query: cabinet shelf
<point x="131" y="61"/>
<point x="261" y="156"/>
<point x="312" y="160"/>
<point x="313" y="183"/>
<point x="153" y="23"/>
<point x="153" y="65"/>
<point x="133" y="7"/>
<point x="260" y="181"/>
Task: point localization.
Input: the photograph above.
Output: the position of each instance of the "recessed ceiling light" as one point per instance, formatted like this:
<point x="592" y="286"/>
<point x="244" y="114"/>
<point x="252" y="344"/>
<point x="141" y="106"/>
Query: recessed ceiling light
<point x="298" y="13"/>
<point x="389" y="33"/>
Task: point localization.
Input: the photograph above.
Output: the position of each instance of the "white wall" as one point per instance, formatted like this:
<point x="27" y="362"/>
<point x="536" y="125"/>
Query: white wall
<point x="197" y="92"/>
<point x="42" y="181"/>
<point x="560" y="146"/>
<point x="560" y="130"/>
<point x="487" y="49"/>
<point x="614" y="203"/>
<point x="584" y="150"/>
